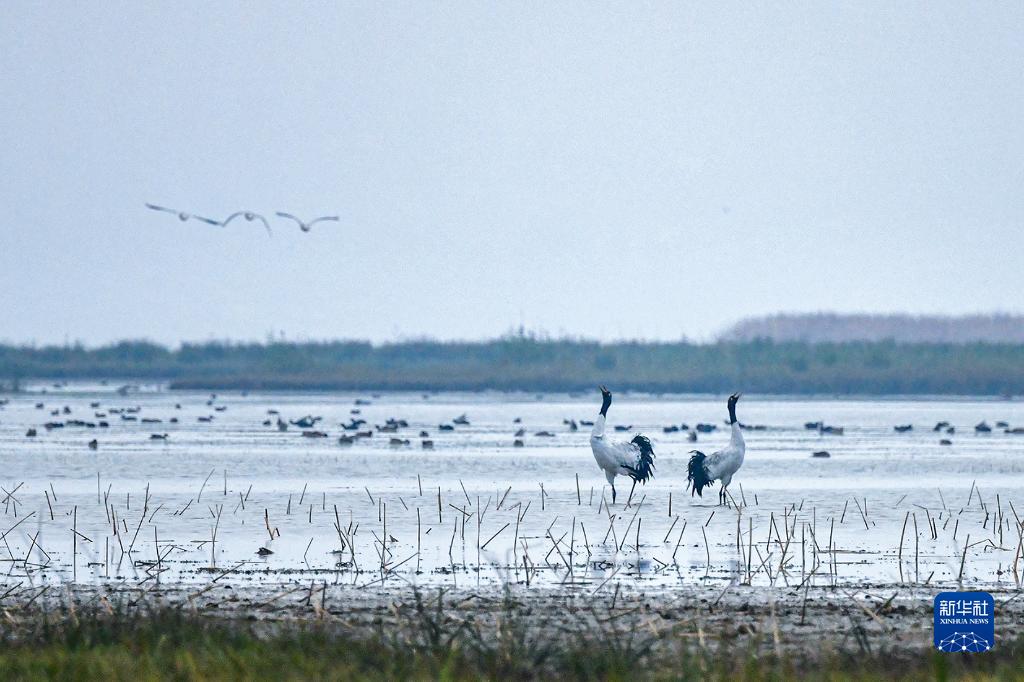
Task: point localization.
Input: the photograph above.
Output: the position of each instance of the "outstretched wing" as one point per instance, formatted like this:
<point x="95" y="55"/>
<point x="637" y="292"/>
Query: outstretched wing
<point x="332" y="218"/>
<point x="291" y="217"/>
<point x="161" y="208"/>
<point x="209" y="221"/>
<point x="231" y="217"/>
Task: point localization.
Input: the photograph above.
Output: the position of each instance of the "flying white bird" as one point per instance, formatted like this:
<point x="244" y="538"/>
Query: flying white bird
<point x="306" y="227"/>
<point x="182" y="215"/>
<point x="617" y="458"/>
<point x="721" y="465"/>
<point x="249" y="217"/>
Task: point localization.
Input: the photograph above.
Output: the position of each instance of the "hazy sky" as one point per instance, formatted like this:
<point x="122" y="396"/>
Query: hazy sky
<point x="608" y="170"/>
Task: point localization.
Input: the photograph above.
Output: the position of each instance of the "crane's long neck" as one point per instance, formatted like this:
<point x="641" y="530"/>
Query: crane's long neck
<point x="598" y="431"/>
<point x="736" y="437"/>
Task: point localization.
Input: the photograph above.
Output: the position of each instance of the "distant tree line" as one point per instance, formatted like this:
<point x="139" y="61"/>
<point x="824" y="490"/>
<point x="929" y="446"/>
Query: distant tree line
<point x="839" y="328"/>
<point x="525" y="363"/>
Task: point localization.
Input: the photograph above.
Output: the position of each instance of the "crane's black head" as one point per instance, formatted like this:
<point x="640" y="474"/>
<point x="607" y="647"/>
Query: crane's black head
<point x="733" y="399"/>
<point x="606" y="400"/>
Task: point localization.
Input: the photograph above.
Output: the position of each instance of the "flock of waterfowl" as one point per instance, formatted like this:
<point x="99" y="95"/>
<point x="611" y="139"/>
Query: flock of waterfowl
<point x="248" y="216"/>
<point x="400" y="432"/>
<point x="102" y="418"/>
<point x="633" y="459"/>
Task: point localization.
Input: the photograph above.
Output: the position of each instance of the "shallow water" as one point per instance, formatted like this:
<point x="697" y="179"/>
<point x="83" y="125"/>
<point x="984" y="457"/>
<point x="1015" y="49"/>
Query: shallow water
<point x="230" y="478"/>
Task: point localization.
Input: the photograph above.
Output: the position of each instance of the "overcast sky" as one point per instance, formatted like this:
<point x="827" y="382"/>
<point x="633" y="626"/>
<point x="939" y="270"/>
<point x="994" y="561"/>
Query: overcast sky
<point x="607" y="170"/>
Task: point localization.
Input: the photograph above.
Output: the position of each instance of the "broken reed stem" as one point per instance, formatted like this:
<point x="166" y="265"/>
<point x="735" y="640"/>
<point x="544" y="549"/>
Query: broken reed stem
<point x="484" y="546"/>
<point x="515" y="541"/>
<point x="266" y="521"/>
<point x="900" y="554"/>
<point x="917" y="538"/>
<point x="679" y="541"/>
<point x="750" y="548"/>
<point x="963" y="557"/>
<point x="203" y="487"/>
<point x="862" y="514"/>
<point x="707" y="550"/>
<point x="671" y="528"/>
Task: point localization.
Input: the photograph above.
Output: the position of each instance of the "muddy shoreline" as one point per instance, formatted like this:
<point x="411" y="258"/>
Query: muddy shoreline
<point x="808" y="621"/>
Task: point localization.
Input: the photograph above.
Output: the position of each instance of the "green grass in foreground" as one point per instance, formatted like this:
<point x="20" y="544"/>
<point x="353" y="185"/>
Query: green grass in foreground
<point x="174" y="644"/>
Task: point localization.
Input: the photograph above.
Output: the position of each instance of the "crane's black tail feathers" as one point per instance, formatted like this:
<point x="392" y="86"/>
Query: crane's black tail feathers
<point x="697" y="474"/>
<point x="644" y="469"/>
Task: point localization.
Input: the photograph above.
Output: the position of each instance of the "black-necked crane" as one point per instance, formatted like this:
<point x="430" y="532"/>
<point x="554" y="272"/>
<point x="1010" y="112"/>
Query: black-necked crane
<point x="182" y="215"/>
<point x="303" y="225"/>
<point x="634" y="458"/>
<point x="722" y="465"/>
<point x="249" y="217"/>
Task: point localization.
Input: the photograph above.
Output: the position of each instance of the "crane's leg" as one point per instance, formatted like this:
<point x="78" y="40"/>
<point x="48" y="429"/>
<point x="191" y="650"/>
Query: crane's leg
<point x="613" y="492"/>
<point x="630" y="499"/>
